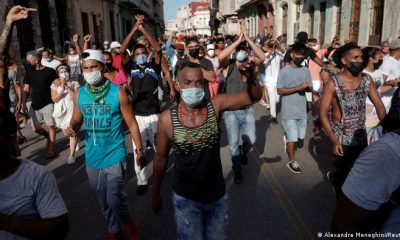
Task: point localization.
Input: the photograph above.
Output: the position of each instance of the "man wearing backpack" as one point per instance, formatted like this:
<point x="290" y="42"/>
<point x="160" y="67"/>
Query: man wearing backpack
<point x="240" y="122"/>
<point x="370" y="194"/>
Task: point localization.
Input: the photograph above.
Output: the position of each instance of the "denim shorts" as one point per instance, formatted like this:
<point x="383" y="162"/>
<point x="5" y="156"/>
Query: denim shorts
<point x="295" y="129"/>
<point x="196" y="221"/>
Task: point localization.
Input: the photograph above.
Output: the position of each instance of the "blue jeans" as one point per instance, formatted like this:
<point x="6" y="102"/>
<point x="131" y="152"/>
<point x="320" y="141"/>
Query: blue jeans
<point x="240" y="124"/>
<point x="295" y="129"/>
<point x="196" y="220"/>
<point x="108" y="184"/>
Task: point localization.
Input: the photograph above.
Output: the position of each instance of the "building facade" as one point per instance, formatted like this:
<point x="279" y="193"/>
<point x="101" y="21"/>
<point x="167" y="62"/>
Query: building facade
<point x="57" y="20"/>
<point x="226" y="17"/>
<point x="366" y="22"/>
<point x="192" y="19"/>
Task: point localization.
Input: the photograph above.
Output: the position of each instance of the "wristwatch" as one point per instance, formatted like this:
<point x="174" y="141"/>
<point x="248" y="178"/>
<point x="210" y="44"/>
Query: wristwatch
<point x="141" y="149"/>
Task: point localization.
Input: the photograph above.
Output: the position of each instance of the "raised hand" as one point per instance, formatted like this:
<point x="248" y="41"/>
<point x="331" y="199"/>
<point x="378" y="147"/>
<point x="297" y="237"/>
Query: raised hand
<point x="18" y="12"/>
<point x="139" y="21"/>
<point x="87" y="37"/>
<point x="244" y="31"/>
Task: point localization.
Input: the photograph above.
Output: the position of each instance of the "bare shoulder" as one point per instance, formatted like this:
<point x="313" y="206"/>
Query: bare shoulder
<point x="165" y="123"/>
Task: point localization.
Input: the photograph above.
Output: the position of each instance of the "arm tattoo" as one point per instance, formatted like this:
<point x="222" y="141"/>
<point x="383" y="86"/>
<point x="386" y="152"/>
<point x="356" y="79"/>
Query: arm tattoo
<point x="5" y="38"/>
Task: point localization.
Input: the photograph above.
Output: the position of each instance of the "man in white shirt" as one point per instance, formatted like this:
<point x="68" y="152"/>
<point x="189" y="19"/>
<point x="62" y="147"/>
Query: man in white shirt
<point x="48" y="60"/>
<point x="268" y="73"/>
<point x="391" y="71"/>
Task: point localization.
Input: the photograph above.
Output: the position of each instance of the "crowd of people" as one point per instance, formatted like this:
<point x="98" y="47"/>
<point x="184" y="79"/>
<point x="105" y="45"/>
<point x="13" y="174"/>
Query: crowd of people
<point x="173" y="93"/>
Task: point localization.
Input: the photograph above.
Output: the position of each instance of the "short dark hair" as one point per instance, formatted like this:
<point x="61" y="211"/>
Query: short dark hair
<point x="185" y="64"/>
<point x="138" y="46"/>
<point x="298" y="48"/>
<point x="312" y="40"/>
<point x="191" y="39"/>
<point x="369" y="52"/>
<point x="107" y="53"/>
<point x="343" y="50"/>
<point x="220" y="40"/>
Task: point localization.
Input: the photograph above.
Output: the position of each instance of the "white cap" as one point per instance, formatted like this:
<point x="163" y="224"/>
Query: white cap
<point x="210" y="46"/>
<point x="105" y="42"/>
<point x="93" y="55"/>
<point x="115" y="45"/>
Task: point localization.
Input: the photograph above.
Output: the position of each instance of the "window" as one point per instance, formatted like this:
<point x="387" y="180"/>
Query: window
<point x="85" y="23"/>
<point x="112" y="27"/>
<point x="284" y="18"/>
<point x="338" y="17"/>
<point x="311" y="23"/>
<point x="376" y="22"/>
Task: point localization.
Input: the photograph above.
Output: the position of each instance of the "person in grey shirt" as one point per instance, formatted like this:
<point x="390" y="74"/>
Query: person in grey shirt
<point x="31" y="206"/>
<point x="293" y="81"/>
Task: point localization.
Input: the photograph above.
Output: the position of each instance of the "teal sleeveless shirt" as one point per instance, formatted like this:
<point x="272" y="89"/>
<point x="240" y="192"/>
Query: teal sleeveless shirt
<point x="105" y="139"/>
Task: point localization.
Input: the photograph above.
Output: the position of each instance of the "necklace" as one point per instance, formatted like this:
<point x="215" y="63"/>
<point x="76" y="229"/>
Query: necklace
<point x="204" y="132"/>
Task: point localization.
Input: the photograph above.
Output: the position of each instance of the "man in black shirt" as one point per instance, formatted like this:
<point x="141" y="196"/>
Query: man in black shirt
<point x="302" y="37"/>
<point x="37" y="81"/>
<point x="145" y="77"/>
<point x="205" y="64"/>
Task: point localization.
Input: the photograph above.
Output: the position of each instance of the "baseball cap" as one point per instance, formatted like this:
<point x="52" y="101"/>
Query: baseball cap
<point x="115" y="44"/>
<point x="394" y="44"/>
<point x="210" y="47"/>
<point x="91" y="54"/>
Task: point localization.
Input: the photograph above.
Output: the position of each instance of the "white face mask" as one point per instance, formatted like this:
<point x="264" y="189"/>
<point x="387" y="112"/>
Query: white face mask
<point x="64" y="75"/>
<point x="92" y="77"/>
<point x="211" y="52"/>
<point x="316" y="47"/>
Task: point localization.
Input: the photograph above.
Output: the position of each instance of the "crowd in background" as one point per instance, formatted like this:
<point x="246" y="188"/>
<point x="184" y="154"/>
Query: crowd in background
<point x="173" y="92"/>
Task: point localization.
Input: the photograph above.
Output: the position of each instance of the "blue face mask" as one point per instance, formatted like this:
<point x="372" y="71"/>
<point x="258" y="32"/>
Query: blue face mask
<point x="141" y="59"/>
<point x="192" y="96"/>
<point x="241" y="56"/>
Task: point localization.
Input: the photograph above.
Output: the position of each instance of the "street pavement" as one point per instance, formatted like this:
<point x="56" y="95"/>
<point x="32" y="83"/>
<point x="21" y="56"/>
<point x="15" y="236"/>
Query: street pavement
<point x="271" y="203"/>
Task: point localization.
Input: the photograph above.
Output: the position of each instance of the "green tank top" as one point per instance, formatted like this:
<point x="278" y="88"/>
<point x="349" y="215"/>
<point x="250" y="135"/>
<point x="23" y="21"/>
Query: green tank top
<point x="198" y="170"/>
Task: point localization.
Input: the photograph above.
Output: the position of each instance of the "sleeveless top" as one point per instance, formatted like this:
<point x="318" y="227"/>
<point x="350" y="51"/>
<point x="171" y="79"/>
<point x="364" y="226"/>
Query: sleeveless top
<point x="105" y="139"/>
<point x="73" y="62"/>
<point x="351" y="128"/>
<point x="198" y="170"/>
<point x="234" y="82"/>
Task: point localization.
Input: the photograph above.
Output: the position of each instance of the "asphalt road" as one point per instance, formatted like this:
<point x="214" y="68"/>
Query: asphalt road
<point x="272" y="202"/>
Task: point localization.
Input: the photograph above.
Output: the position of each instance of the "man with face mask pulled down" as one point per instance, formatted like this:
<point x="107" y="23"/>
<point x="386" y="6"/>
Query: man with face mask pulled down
<point x="346" y="95"/>
<point x="192" y="129"/>
<point x="102" y="107"/>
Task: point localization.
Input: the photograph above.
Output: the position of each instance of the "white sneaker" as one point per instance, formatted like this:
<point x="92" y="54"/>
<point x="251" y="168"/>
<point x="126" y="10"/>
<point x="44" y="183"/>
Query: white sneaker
<point x="294" y="166"/>
<point x="284" y="144"/>
<point x="71" y="160"/>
